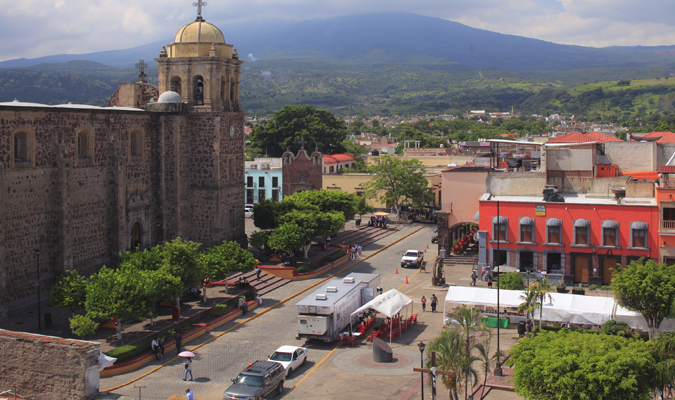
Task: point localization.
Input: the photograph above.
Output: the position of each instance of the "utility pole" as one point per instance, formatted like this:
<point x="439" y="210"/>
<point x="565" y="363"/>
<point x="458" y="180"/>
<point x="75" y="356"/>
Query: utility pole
<point x="434" y="372"/>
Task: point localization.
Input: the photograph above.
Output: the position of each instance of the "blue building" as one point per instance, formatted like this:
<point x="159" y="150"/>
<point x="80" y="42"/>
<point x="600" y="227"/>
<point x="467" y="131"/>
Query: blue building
<point x="262" y="180"/>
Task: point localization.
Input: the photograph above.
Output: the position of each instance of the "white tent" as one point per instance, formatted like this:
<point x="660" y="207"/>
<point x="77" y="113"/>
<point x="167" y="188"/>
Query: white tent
<point x="562" y="307"/>
<point x="388" y="303"/>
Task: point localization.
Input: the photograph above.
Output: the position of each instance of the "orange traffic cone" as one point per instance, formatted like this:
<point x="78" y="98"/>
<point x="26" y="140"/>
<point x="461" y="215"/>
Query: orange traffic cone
<point x="425" y="250"/>
<point x="406" y="279"/>
<point x="397" y="270"/>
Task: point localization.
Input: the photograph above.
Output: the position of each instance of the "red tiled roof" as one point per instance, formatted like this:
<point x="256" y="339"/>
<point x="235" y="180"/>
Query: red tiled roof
<point x="667" y="169"/>
<point x="660" y="137"/>
<point x="338" y="158"/>
<point x="578" y="137"/>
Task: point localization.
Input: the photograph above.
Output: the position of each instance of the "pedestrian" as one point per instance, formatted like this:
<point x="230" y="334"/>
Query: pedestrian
<point x="257" y="270"/>
<point x="328" y="241"/>
<point x="490" y="281"/>
<point x="160" y="342"/>
<point x="260" y="300"/>
<point x="360" y="250"/>
<point x="434" y="300"/>
<point x="242" y="304"/>
<point x="179" y="342"/>
<point x="188" y="368"/>
<point x="188" y="394"/>
<point x="155" y="347"/>
<point x="424" y="304"/>
<point x="474" y="276"/>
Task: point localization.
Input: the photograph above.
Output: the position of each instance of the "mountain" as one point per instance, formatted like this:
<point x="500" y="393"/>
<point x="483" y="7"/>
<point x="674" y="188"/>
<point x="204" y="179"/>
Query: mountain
<point x="402" y="38"/>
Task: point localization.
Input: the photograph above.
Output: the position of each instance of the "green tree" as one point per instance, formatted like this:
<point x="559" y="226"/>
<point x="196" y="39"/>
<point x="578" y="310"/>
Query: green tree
<point x="362" y="207"/>
<point x="70" y="291"/>
<point x="542" y="290"/>
<point x="319" y="128"/>
<point x="575" y="365"/>
<point x="287" y="238"/>
<point x="646" y="287"/>
<point x="82" y="325"/>
<point x="319" y="224"/>
<point x="224" y="259"/>
<point x="258" y="239"/>
<point x="398" y="182"/>
<point x="528" y="305"/>
<point x="325" y="200"/>
<point x="449" y="348"/>
<point x="511" y="281"/>
<point x="356" y="150"/>
<point x="120" y="294"/>
<point x="179" y="258"/>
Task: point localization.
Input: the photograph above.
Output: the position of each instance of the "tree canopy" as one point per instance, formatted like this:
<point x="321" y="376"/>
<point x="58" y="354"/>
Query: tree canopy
<point x="398" y="182"/>
<point x="224" y="259"/>
<point x="582" y="366"/>
<point x="319" y="128"/>
<point x="70" y="291"/>
<point x="646" y="287"/>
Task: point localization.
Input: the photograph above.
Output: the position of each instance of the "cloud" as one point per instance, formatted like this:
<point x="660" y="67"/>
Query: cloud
<point x="34" y="28"/>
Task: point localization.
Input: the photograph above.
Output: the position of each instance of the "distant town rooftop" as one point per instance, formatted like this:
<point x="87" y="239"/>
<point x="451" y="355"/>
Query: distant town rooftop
<point x="572" y="198"/>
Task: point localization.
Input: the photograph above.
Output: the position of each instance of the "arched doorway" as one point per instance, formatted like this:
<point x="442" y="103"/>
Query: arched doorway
<point x="136" y="237"/>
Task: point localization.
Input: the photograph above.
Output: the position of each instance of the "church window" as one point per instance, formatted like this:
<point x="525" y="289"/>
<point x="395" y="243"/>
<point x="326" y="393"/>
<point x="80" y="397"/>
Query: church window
<point x="23" y="148"/>
<point x="199" y="90"/>
<point x="222" y="91"/>
<point x="231" y="167"/>
<point x="231" y="92"/>
<point x="85" y="145"/>
<point x="136" y="143"/>
<point x="176" y="85"/>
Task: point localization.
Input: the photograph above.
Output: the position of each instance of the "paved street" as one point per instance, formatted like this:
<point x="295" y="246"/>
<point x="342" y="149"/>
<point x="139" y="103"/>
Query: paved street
<point x="222" y="358"/>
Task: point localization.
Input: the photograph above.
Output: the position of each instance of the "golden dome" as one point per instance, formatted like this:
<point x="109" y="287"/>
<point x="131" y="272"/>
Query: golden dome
<point x="199" y="31"/>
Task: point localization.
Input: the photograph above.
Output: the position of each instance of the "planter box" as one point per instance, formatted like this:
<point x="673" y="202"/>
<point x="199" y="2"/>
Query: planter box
<point x="559" y="290"/>
<point x="582" y="292"/>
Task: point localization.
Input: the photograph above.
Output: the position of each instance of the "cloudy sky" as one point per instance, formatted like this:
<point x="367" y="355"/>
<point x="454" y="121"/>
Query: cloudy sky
<point x="35" y="28"/>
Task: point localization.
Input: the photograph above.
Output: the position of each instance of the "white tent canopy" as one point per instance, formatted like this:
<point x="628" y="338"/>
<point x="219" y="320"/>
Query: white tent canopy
<point x="562" y="307"/>
<point x="388" y="303"/>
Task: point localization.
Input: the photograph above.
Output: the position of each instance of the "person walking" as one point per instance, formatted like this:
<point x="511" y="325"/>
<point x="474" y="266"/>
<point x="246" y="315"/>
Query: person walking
<point x="474" y="276"/>
<point x="188" y="394"/>
<point x="188" y="368"/>
<point x="490" y="281"/>
<point x="179" y="342"/>
<point x="434" y="300"/>
<point x="257" y="270"/>
<point x="155" y="347"/>
<point x="424" y="304"/>
<point x="360" y="250"/>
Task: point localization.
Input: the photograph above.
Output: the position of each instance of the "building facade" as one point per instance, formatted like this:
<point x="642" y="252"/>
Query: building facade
<point x="82" y="184"/>
<point x="263" y="180"/>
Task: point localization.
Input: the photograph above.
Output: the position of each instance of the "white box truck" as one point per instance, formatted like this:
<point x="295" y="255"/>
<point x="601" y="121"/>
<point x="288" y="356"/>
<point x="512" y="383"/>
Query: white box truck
<point x="325" y="313"/>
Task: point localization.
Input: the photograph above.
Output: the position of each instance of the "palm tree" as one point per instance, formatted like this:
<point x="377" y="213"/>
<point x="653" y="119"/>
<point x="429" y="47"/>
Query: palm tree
<point x="664" y="355"/>
<point x="542" y="289"/>
<point x="469" y="326"/>
<point x="529" y="305"/>
<point x="449" y="348"/>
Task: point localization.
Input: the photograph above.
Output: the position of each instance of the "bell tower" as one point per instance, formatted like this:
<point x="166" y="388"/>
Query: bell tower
<point x="201" y="67"/>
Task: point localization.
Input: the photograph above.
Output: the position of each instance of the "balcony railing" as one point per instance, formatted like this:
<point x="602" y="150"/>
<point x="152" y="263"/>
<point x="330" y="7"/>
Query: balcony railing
<point x="667" y="225"/>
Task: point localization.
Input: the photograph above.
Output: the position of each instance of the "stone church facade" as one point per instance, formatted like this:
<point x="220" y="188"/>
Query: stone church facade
<point x="83" y="184"/>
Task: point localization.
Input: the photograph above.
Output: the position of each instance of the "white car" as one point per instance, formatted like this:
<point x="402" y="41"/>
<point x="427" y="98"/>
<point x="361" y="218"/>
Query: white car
<point x="412" y="258"/>
<point x="291" y="357"/>
<point x="248" y="212"/>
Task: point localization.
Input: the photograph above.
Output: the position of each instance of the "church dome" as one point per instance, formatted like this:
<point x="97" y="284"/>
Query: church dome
<point x="199" y="31"/>
<point x="170" y="97"/>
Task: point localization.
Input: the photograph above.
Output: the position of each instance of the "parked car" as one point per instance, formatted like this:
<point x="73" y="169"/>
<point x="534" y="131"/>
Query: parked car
<point x="434" y="238"/>
<point x="412" y="257"/>
<point x="261" y="379"/>
<point x="248" y="212"/>
<point x="291" y="357"/>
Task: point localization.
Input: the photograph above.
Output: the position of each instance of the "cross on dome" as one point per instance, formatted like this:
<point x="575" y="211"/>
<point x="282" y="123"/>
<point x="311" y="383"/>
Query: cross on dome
<point x="199" y="4"/>
<point x="302" y="142"/>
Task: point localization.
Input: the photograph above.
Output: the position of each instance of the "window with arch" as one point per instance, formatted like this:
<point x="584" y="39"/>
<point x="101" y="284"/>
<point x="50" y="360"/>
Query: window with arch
<point x="85" y="145"/>
<point x="231" y="92"/>
<point x="223" y="98"/>
<point x="176" y="85"/>
<point x="23" y="148"/>
<point x="136" y="143"/>
<point x="199" y="90"/>
<point x="231" y="168"/>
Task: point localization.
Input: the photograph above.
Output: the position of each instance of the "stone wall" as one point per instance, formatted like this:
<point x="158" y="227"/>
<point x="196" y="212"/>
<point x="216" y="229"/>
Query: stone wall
<point x="82" y="212"/>
<point x="48" y="368"/>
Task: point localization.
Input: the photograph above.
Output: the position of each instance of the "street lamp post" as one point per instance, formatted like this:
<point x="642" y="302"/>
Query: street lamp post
<point x="37" y="284"/>
<point x="421" y="346"/>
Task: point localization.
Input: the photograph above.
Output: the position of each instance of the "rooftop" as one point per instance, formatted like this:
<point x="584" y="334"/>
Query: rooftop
<point x="571" y="198"/>
<point x="578" y="137"/>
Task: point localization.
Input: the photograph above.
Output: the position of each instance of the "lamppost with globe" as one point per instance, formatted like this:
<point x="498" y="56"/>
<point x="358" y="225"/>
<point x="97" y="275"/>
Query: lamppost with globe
<point x="421" y="346"/>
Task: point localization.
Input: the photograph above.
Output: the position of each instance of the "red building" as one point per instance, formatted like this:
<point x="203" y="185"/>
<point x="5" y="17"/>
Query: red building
<point x="580" y="239"/>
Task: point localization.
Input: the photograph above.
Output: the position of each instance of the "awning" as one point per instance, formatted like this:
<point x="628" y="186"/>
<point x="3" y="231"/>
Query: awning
<point x="582" y="223"/>
<point x="389" y="303"/>
<point x="499" y="220"/>
<point x="610" y="224"/>
<point x="526" y="221"/>
<point x="638" y="225"/>
<point x="553" y="222"/>
<point x="477" y="216"/>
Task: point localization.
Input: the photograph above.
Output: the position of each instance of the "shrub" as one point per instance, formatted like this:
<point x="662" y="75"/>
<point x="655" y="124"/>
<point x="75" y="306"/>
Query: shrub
<point x="302" y="269"/>
<point x="219" y="310"/>
<point x="592" y="288"/>
<point x="511" y="281"/>
<point x="613" y="327"/>
<point x="130" y="351"/>
<point x="83" y="326"/>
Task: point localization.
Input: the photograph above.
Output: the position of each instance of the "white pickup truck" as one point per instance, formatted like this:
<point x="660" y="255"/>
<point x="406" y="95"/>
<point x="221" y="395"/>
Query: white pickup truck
<point x="412" y="257"/>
